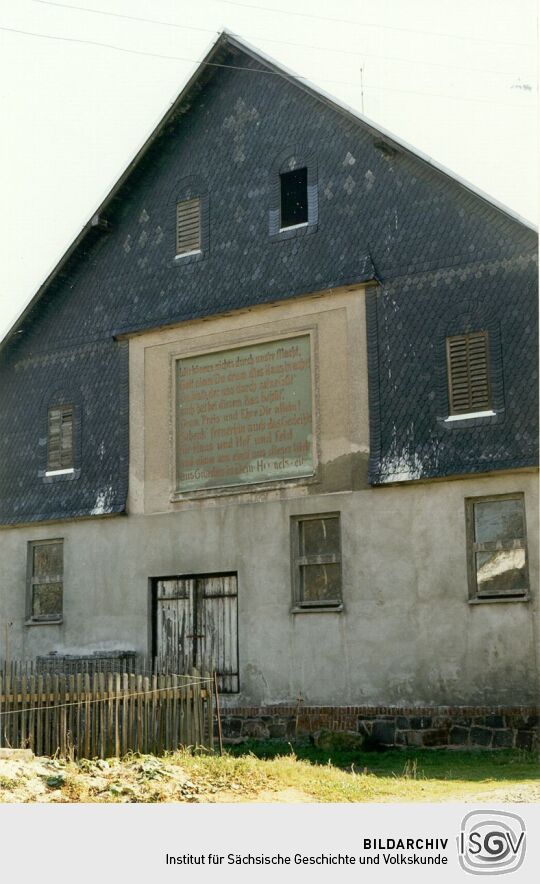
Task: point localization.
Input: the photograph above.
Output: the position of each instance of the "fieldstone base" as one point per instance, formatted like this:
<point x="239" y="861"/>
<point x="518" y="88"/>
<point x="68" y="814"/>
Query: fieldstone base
<point x="457" y="727"/>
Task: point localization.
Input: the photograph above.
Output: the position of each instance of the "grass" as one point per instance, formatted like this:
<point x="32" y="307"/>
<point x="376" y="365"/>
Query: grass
<point x="397" y="775"/>
<point x="278" y="772"/>
<point x="505" y="764"/>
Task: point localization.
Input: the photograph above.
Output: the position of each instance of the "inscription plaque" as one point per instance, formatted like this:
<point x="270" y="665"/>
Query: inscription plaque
<point x="244" y="415"/>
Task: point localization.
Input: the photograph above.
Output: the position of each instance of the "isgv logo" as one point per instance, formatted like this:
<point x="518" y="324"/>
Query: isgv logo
<point x="491" y="842"/>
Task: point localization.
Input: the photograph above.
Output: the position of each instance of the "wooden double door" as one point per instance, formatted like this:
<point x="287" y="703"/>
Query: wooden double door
<point x="196" y="625"/>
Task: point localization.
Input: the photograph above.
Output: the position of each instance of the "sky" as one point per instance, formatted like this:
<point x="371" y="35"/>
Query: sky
<point x="455" y="80"/>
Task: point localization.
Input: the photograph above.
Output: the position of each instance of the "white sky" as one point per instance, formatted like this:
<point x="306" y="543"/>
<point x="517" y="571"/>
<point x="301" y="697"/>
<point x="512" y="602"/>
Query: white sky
<point x="455" y="79"/>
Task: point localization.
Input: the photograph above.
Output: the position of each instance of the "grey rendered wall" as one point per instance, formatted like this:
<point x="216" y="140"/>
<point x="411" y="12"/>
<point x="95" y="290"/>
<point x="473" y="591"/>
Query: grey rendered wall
<point x="407" y="634"/>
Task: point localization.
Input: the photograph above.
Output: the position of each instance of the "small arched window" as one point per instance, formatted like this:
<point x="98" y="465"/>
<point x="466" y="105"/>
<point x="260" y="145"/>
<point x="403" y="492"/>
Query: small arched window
<point x="188" y="211"/>
<point x="60" y="433"/>
<point x="60" y="441"/>
<point x="294" y="208"/>
<point x="188" y="227"/>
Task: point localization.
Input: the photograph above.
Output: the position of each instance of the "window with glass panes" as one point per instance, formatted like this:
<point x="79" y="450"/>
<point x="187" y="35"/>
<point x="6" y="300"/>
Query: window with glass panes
<point x="45" y="579"/>
<point x="497" y="547"/>
<point x="316" y="560"/>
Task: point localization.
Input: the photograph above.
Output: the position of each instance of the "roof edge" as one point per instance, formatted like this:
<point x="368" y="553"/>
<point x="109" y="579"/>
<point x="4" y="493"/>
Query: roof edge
<point x="197" y="69"/>
<point x="229" y="38"/>
<point x="310" y="87"/>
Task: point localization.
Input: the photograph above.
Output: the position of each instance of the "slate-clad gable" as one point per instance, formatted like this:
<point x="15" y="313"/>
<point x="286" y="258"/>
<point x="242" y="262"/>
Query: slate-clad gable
<point x="409" y="320"/>
<point x="98" y="386"/>
<point x="382" y="214"/>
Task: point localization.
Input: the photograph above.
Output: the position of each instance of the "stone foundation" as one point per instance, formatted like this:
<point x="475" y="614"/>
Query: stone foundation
<point x="455" y="727"/>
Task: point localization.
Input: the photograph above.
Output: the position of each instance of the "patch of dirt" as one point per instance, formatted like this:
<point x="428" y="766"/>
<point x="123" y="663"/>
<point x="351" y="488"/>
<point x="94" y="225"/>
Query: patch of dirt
<point x="265" y="796"/>
<point x="527" y="793"/>
<point x="22" y="781"/>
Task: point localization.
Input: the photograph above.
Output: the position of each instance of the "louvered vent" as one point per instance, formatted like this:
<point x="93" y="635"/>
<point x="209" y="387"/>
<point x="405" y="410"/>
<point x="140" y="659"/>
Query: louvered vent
<point x="60" y="438"/>
<point x="468" y="373"/>
<point x="188" y="226"/>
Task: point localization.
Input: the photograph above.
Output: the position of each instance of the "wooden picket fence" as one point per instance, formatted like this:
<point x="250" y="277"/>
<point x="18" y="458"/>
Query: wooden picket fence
<point x="104" y="714"/>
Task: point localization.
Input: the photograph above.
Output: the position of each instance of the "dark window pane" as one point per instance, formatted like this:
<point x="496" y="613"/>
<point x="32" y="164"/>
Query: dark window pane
<point x="320" y="582"/>
<point x="47" y="600"/>
<point x="498" y="520"/>
<point x="501" y="571"/>
<point x="319" y="537"/>
<point x="294" y="203"/>
<point x="47" y="560"/>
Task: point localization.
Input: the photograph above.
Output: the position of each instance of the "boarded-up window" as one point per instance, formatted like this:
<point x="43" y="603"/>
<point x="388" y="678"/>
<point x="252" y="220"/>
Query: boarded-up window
<point x="468" y="373"/>
<point x="294" y="198"/>
<point x="188" y="226"/>
<point x="45" y="579"/>
<point x="316" y="560"/>
<point x="60" y="438"/>
<point x="497" y="547"/>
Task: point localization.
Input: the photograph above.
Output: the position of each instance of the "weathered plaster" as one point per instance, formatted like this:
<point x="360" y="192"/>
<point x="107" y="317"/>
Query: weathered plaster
<point x="407" y="634"/>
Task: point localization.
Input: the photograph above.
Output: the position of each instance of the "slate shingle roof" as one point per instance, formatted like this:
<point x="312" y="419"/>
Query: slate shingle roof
<point x="435" y="247"/>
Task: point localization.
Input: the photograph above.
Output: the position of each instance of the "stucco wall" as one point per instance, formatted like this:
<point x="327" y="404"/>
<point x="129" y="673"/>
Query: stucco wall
<point x="407" y="634"/>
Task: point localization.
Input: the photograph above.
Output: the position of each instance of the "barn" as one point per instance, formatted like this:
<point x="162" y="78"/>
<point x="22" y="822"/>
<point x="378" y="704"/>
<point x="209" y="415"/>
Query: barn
<point x="275" y="411"/>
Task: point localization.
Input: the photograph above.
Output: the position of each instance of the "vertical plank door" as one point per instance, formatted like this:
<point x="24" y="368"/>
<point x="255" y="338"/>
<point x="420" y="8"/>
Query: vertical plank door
<point x="217" y="629"/>
<point x="175" y="623"/>
<point x="197" y="625"/>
